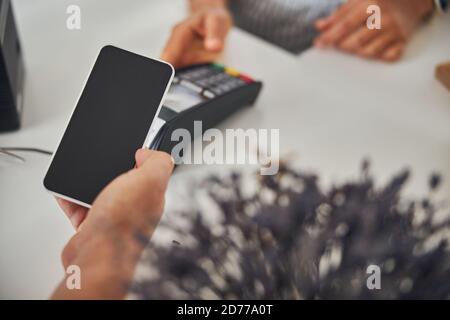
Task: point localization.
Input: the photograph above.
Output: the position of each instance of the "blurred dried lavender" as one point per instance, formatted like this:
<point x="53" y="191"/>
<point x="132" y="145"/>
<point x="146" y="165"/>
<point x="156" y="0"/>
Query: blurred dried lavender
<point x="290" y="240"/>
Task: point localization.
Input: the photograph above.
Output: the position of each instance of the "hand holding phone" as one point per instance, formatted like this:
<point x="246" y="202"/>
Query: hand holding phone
<point x="112" y="119"/>
<point x="123" y="217"/>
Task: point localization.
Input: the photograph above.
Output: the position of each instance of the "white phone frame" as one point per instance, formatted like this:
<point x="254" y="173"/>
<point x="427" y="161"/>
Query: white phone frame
<point x="146" y="143"/>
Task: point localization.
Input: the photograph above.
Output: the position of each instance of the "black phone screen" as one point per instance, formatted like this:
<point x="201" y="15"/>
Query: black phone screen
<point x="110" y="122"/>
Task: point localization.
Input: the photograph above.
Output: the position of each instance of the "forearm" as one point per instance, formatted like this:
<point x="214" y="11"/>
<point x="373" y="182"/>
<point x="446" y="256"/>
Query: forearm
<point x="107" y="256"/>
<point x="199" y="5"/>
<point x="106" y="269"/>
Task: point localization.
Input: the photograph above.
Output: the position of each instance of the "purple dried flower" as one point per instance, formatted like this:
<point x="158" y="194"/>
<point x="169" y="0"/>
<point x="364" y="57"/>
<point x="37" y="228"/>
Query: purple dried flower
<point x="291" y="240"/>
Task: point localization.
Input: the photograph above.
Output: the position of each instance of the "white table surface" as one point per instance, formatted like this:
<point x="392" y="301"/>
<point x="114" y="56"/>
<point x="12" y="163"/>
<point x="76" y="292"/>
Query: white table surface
<point x="332" y="110"/>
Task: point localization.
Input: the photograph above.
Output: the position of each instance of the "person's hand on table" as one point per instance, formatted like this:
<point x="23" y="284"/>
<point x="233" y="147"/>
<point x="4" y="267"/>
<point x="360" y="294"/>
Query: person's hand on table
<point x="112" y="234"/>
<point x="346" y="28"/>
<point x="198" y="39"/>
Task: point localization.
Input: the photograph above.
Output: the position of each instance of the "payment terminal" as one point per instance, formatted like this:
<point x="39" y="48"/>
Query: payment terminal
<point x="209" y="93"/>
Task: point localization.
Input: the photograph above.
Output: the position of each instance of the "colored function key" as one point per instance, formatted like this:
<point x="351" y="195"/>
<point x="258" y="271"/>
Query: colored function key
<point x="212" y="80"/>
<point x="232" y="72"/>
<point x="246" y="78"/>
<point x="218" y="66"/>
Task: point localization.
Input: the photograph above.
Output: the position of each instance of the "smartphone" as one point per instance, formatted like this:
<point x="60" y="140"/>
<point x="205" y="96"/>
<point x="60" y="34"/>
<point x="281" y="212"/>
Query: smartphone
<point x="112" y="119"/>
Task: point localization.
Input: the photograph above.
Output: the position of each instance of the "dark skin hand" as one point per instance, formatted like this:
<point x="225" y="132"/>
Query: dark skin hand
<point x="112" y="234"/>
<point x="346" y="28"/>
<point x="201" y="37"/>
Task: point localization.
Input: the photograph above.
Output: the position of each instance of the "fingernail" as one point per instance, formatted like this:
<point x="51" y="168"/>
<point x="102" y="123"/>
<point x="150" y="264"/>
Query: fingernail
<point x="213" y="44"/>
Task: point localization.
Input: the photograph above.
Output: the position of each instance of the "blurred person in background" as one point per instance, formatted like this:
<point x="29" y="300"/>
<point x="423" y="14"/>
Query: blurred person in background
<point x="296" y="25"/>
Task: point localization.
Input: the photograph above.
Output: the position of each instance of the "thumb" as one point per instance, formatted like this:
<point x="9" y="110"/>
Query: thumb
<point x="153" y="172"/>
<point x="141" y="156"/>
<point x="139" y="191"/>
<point x="157" y="159"/>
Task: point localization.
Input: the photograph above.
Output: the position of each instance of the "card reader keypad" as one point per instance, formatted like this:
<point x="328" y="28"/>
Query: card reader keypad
<point x="212" y="80"/>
